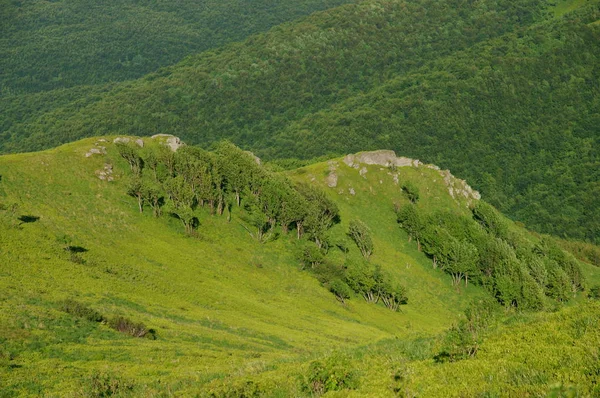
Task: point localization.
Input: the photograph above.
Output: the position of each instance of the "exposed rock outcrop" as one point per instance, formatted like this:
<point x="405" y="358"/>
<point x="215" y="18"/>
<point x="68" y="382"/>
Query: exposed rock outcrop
<point x="332" y="177"/>
<point x="382" y="158"/>
<point x="121" y="140"/>
<point x="169" y="140"/>
<point x="96" y="151"/>
<point x="457" y="188"/>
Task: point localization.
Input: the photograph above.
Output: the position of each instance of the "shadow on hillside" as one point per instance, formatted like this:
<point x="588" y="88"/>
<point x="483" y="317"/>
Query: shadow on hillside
<point x="27" y="219"/>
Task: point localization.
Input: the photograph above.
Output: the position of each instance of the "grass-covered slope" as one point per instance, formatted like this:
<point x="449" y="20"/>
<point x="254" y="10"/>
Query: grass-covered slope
<point x="235" y="317"/>
<point x="223" y="305"/>
<point x="49" y="45"/>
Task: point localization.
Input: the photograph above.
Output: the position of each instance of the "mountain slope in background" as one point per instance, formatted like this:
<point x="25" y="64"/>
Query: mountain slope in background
<point x="485" y="90"/>
<point x="59" y="44"/>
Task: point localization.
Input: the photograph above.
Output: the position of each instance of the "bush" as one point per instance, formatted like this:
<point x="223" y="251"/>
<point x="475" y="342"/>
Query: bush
<point x="411" y="191"/>
<point x="105" y="385"/>
<point x="340" y="289"/>
<point x="594" y="292"/>
<point x="127" y="326"/>
<point x="243" y="389"/>
<point x="462" y="340"/>
<point x="332" y="374"/>
<point x="361" y="235"/>
<point x="309" y="255"/>
<point x="75" y="308"/>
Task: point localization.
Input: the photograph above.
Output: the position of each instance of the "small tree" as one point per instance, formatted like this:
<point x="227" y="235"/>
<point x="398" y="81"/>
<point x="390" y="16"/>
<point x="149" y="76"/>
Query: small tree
<point x="132" y="156"/>
<point x="361" y="235"/>
<point x="136" y="189"/>
<point x="359" y="276"/>
<point x="182" y="202"/>
<point x="412" y="222"/>
<point x="340" y="289"/>
<point x="309" y="255"/>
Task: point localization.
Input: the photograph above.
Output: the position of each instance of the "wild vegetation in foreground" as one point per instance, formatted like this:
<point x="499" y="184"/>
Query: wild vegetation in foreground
<point x="202" y="296"/>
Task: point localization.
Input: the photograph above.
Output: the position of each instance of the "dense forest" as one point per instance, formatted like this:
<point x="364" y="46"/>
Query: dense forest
<point x="505" y="94"/>
<point x="46" y="45"/>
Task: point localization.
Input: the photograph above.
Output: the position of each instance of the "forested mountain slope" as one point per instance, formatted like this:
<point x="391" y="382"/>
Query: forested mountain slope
<point x="230" y="302"/>
<point x="518" y="116"/>
<point x="46" y="45"/>
<point x="498" y="91"/>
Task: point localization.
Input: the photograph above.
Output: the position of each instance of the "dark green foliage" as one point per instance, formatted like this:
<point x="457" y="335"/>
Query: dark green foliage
<point x="392" y="295"/>
<point x="309" y="255"/>
<point x="62" y="44"/>
<point x="412" y="222"/>
<point x="322" y="213"/>
<point x="594" y="292"/>
<point x="132" y="156"/>
<point x="331" y="374"/>
<point x="360" y="276"/>
<point x="361" y="235"/>
<point x="463" y="83"/>
<point x="82" y="311"/>
<point x="486" y="251"/>
<point x="490" y="219"/>
<point x="182" y="202"/>
<point x="411" y="191"/>
<point x="136" y="189"/>
<point x="375" y="286"/>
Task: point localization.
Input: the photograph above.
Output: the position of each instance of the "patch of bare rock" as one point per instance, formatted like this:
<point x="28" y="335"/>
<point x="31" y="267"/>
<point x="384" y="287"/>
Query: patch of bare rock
<point x="457" y="188"/>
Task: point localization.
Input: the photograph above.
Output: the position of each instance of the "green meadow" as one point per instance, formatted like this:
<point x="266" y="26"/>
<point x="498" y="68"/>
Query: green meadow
<point x="231" y="316"/>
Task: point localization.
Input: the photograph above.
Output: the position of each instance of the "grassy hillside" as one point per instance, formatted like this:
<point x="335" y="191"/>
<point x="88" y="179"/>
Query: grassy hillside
<point x="223" y="304"/>
<point x="232" y="316"/>
<point x="48" y="45"/>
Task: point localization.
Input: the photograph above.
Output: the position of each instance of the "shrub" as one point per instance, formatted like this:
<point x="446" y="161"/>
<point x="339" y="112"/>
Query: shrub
<point x="77" y="309"/>
<point x="411" y="191"/>
<point x="243" y="389"/>
<point x="594" y="292"/>
<point x="332" y="374"/>
<point x="127" y="326"/>
<point x="462" y="340"/>
<point x="340" y="289"/>
<point x="106" y="385"/>
<point x="309" y="255"/>
<point x="361" y="235"/>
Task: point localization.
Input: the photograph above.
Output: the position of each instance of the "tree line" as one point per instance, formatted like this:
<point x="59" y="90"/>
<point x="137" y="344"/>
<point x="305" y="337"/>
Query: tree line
<point x="518" y="270"/>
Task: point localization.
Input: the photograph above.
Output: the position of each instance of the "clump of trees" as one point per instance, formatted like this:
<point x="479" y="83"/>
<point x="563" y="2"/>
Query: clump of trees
<point x="179" y="183"/>
<point x="518" y="270"/>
